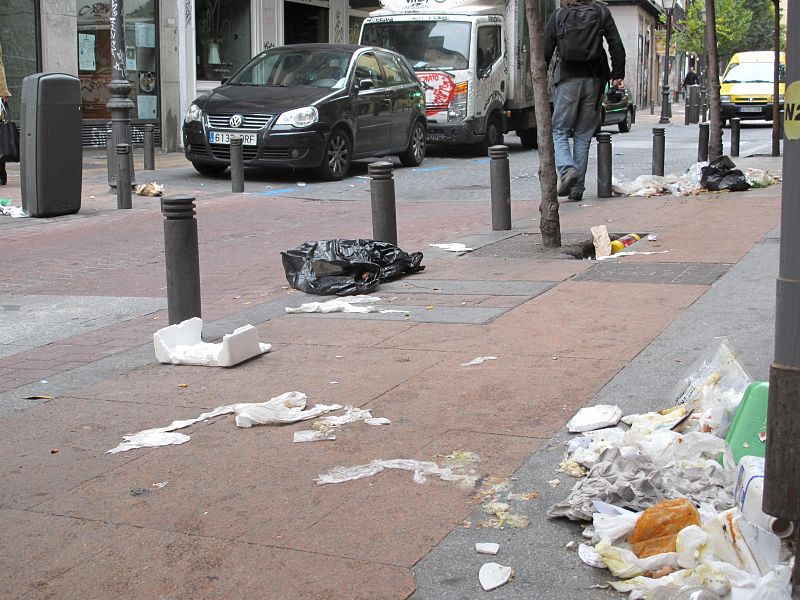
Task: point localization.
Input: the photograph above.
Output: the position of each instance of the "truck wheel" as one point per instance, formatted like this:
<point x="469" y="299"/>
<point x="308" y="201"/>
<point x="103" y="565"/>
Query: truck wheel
<point x="529" y="139"/>
<point x="336" y="157"/>
<point x="494" y="135"/>
<point x="206" y="169"/>
<point x="415" y="153"/>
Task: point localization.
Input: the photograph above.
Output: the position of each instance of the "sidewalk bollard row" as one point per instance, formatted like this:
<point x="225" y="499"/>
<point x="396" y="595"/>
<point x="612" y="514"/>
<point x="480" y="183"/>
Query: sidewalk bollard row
<point x="123" y="176"/>
<point x="500" y="180"/>
<point x="702" y="143"/>
<point x="384" y="216"/>
<point x="149" y="148"/>
<point x="181" y="257"/>
<point x="658" y="151"/>
<point x="237" y="165"/>
<point x="735" y="135"/>
<point x="603" y="165"/>
<point x="703" y="106"/>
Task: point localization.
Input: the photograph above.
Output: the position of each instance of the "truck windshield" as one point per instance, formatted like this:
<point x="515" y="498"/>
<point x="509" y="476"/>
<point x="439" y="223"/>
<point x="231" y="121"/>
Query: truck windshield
<point x="426" y="44"/>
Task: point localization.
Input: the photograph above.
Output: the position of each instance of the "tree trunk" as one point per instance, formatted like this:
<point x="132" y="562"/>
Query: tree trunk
<point x="712" y="84"/>
<point x="549" y="224"/>
<point x="776" y="113"/>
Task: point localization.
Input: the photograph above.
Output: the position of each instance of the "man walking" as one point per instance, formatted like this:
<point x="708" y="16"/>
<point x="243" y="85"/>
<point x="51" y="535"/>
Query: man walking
<point x="581" y="72"/>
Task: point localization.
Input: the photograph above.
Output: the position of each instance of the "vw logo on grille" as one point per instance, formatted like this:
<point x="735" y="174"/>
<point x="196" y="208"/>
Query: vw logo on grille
<point x="235" y="121"/>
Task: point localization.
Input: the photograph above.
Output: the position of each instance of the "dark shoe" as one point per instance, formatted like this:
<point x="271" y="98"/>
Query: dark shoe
<point x="576" y="195"/>
<point x="566" y="182"/>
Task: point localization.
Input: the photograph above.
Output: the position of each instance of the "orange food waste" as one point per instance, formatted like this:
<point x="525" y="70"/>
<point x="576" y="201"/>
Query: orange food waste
<point x="659" y="525"/>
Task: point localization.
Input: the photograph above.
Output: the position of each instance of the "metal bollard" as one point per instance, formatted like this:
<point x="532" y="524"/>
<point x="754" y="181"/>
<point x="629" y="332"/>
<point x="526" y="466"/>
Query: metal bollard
<point x="123" y="176"/>
<point x="381" y="188"/>
<point x="687" y="109"/>
<point x="149" y="148"/>
<point x="603" y="165"/>
<point x="694" y="103"/>
<point x="181" y="257"/>
<point x="237" y="165"/>
<point x="658" y="151"/>
<point x="780" y="124"/>
<point x="703" y="106"/>
<point x="702" y="143"/>
<point x="111" y="159"/>
<point x="652" y="108"/>
<point x="735" y="135"/>
<point x="500" y="180"/>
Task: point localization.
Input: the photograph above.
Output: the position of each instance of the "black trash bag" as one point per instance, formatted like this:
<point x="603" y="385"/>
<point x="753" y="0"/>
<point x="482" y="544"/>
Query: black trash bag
<point x="722" y="174"/>
<point x="346" y="267"/>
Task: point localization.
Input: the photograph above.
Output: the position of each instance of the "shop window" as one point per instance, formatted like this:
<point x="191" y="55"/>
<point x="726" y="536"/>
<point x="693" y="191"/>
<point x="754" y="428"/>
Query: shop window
<point x="141" y="57"/>
<point x="304" y="23"/>
<point x="222" y="37"/>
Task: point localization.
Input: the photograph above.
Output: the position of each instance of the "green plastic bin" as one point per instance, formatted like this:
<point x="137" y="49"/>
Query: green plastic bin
<point x="748" y="429"/>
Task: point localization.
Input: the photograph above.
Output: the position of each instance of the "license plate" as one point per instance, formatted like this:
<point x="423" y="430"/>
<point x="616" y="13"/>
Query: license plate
<point x="750" y="109"/>
<point x="224" y="137"/>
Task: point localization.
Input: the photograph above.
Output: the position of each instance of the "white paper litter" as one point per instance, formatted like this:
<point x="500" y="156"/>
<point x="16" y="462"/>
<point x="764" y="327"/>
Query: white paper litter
<point x="487" y="548"/>
<point x="590" y="418"/>
<point x="421" y="469"/>
<point x="182" y="344"/>
<point x="286" y="408"/>
<point x="478" y="360"/>
<point x="630" y="253"/>
<point x="602" y="243"/>
<point x="452" y="247"/>
<point x="338" y="305"/>
<point x="15" y="212"/>
<point x="493" y="575"/>
<point x="312" y="436"/>
<point x="590" y="557"/>
<point x="149" y="189"/>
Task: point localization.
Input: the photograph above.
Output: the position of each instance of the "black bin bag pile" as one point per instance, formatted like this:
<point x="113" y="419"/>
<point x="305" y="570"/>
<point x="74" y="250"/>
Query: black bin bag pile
<point x="722" y="174"/>
<point x="346" y="267"/>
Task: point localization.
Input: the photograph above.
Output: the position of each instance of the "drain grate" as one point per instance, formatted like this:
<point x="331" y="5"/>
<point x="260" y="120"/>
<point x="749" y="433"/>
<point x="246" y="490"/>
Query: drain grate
<point x="639" y="272"/>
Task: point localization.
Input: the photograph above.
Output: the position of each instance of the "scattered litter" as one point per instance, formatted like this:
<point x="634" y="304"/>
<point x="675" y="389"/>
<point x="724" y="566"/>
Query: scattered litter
<point x="722" y="174"/>
<point x="301" y="184"/>
<point x="161" y="484"/>
<point x="645" y="185"/>
<point x="631" y="253"/>
<point x="182" y="344"/>
<point x="286" y="408"/>
<point x="452" y="247"/>
<point x="554" y="482"/>
<point x="657" y="527"/>
<point x="478" y="360"/>
<point x="493" y="575"/>
<point x="594" y="417"/>
<point x="38" y="397"/>
<point x="524" y="496"/>
<point x="149" y="189"/>
<point x="54" y="451"/>
<point x="183" y="385"/>
<point x="15" y="212"/>
<point x="346" y="267"/>
<point x="421" y="470"/>
<point x="338" y="305"/>
<point x="760" y="179"/>
<point x="5" y="201"/>
<point x="333" y="382"/>
<point x="487" y="548"/>
<point x="313" y="436"/>
<point x="651" y="237"/>
<point x="590" y="557"/>
<point x="602" y="243"/>
<point x="572" y="468"/>
<point x="569" y="545"/>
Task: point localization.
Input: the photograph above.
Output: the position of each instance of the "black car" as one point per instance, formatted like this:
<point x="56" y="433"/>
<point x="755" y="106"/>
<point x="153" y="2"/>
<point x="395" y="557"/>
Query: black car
<point x="311" y="105"/>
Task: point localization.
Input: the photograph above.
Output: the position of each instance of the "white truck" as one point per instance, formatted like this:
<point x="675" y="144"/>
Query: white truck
<point x="473" y="56"/>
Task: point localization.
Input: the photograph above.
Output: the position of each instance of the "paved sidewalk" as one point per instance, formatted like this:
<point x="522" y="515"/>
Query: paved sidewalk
<point x="239" y="514"/>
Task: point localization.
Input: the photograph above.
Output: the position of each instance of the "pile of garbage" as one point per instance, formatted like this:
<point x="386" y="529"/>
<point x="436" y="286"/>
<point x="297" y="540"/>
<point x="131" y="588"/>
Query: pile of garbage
<point x="674" y="497"/>
<point x="701" y="177"/>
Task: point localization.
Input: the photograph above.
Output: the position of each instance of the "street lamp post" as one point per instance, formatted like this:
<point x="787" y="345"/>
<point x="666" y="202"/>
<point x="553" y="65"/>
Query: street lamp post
<point x="120" y="103"/>
<point x="666" y="106"/>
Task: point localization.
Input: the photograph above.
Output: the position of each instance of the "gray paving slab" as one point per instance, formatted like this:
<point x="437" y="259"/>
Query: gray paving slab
<point x="472" y="287"/>
<point x="467" y="315"/>
<point x="638" y="272"/>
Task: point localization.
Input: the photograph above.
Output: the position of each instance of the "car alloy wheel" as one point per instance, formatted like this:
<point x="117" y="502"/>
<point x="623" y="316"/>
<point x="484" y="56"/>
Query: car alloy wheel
<point x="415" y="153"/>
<point x="336" y="160"/>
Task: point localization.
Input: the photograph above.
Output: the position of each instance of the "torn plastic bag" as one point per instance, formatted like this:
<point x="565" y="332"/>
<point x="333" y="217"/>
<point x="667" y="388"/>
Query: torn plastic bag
<point x="722" y="174"/>
<point x="659" y="525"/>
<point x="346" y="267"/>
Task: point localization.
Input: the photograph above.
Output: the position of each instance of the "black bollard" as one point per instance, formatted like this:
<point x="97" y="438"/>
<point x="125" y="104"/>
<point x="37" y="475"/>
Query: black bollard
<point x="652" y="108"/>
<point x="381" y="189"/>
<point x="780" y="124"/>
<point x="687" y="109"/>
<point x="123" y="176"/>
<point x="735" y="134"/>
<point x="702" y="143"/>
<point x="500" y="180"/>
<point x="658" y="151"/>
<point x="603" y="165"/>
<point x="703" y="106"/>
<point x="181" y="257"/>
<point x="694" y="103"/>
<point x="237" y="165"/>
<point x="149" y="148"/>
<point x="111" y="159"/>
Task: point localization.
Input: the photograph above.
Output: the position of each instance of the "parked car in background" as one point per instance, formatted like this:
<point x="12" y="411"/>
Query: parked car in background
<point x="618" y="109"/>
<point x="311" y="106"/>
<point x="747" y="86"/>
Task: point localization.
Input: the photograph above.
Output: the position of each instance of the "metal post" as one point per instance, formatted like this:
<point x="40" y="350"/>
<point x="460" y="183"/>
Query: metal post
<point x="736" y="130"/>
<point x="703" y="106"/>
<point x="658" y="150"/>
<point x="123" y="176"/>
<point x="237" y="165"/>
<point x="501" y="188"/>
<point x="120" y="103"/>
<point x="780" y="126"/>
<point x="652" y="108"/>
<point x="381" y="187"/>
<point x="181" y="257"/>
<point x="694" y="101"/>
<point x="149" y="148"/>
<point x="603" y="165"/>
<point x="666" y="105"/>
<point x="687" y="115"/>
<point x="702" y="143"/>
<point x="111" y="155"/>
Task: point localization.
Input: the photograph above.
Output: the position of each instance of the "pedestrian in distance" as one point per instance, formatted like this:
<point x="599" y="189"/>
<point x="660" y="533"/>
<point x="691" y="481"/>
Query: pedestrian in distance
<point x="575" y="34"/>
<point x="690" y="79"/>
<point x="4" y="96"/>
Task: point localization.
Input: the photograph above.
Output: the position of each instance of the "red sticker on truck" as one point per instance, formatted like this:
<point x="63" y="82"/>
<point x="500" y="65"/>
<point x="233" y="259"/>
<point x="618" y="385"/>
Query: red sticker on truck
<point x="439" y="91"/>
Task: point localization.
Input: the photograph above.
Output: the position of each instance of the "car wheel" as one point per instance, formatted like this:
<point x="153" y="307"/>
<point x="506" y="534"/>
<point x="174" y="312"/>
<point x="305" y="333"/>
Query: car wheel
<point x="494" y="135"/>
<point x="625" y="124"/>
<point x="336" y="157"/>
<point x="206" y="169"/>
<point x="415" y="153"/>
<point x="529" y="139"/>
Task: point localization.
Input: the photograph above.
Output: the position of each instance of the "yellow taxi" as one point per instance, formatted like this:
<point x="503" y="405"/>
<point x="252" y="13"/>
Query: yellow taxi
<point x="747" y="85"/>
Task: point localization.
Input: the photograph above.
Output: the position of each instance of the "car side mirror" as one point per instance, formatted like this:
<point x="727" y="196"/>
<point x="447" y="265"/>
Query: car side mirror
<point x="365" y="84"/>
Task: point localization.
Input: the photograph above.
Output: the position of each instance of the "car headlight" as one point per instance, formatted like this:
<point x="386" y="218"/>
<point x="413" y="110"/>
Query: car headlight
<point x="194" y="113"/>
<point x="458" y="105"/>
<point x="724" y="98"/>
<point x="299" y="117"/>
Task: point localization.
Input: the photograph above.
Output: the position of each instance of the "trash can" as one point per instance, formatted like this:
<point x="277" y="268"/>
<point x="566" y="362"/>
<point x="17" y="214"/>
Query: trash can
<point x="51" y="153"/>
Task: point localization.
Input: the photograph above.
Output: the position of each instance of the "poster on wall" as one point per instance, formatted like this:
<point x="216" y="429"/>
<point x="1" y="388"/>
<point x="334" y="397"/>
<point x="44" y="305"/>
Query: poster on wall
<point x="86" y="56"/>
<point x="147" y="106"/>
<point x="130" y="58"/>
<point x="146" y="35"/>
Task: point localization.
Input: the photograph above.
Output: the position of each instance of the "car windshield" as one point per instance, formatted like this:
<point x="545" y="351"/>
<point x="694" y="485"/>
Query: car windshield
<point x="753" y="73"/>
<point x="289" y="67"/>
<point x="426" y="44"/>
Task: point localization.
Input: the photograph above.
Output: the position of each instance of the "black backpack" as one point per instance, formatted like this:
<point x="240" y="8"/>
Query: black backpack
<point x="579" y="32"/>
